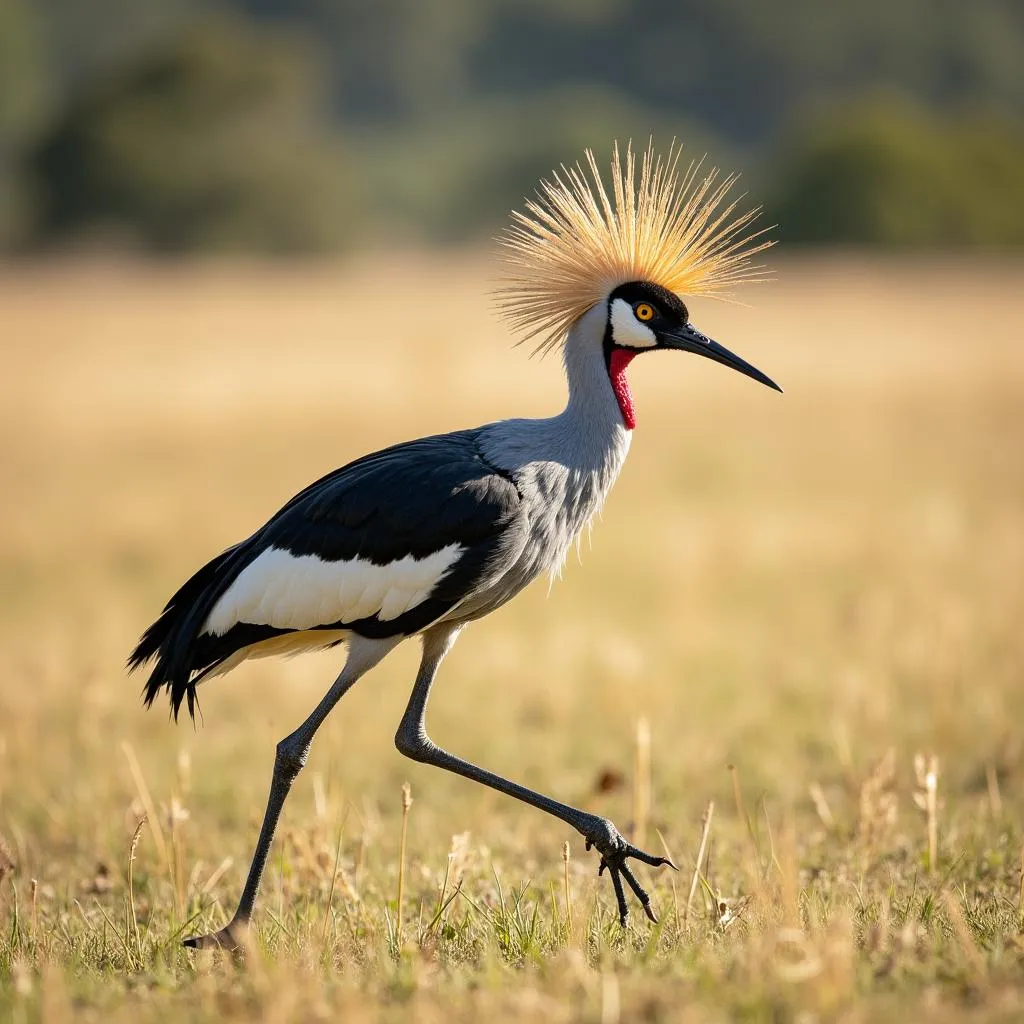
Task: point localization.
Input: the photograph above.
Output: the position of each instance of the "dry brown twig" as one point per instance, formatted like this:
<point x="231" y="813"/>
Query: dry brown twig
<point x="406" y="804"/>
<point x="878" y="806"/>
<point x="926" y="772"/>
<point x="642" y="781"/>
<point x="700" y="857"/>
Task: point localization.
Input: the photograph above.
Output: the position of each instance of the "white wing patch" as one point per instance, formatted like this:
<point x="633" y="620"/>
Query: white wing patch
<point x="627" y="331"/>
<point x="289" y="591"/>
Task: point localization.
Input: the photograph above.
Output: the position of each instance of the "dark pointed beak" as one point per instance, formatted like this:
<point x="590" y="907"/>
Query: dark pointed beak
<point x="689" y="339"/>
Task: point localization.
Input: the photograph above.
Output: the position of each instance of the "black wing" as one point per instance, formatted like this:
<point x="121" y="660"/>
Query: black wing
<point x="411" y="499"/>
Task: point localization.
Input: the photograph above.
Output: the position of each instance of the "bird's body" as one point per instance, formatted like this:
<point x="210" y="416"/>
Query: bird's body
<point x="440" y="530"/>
<point x="426" y="536"/>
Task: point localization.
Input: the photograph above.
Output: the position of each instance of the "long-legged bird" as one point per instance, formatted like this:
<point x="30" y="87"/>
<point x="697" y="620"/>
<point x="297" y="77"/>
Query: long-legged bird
<point x="424" y="537"/>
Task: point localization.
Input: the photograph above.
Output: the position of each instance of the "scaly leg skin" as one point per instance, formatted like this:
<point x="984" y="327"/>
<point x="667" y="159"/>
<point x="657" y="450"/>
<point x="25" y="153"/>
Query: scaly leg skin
<point x="292" y="751"/>
<point x="615" y="850"/>
<point x="413" y="741"/>
<point x="231" y="938"/>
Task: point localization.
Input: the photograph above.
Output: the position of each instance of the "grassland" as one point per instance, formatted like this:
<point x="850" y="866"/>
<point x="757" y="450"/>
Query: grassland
<point x="823" y="590"/>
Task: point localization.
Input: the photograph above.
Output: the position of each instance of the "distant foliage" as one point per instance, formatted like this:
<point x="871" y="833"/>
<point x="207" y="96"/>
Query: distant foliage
<point x="888" y="175"/>
<point x="24" y="101"/>
<point x="283" y="125"/>
<point x="203" y="142"/>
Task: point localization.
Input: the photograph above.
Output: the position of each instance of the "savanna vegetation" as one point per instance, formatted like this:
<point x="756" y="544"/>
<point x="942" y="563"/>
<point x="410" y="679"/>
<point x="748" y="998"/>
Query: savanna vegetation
<point x="791" y="656"/>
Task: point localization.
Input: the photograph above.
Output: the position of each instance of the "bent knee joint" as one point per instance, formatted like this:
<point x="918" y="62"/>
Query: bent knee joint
<point x="290" y="759"/>
<point x="413" y="742"/>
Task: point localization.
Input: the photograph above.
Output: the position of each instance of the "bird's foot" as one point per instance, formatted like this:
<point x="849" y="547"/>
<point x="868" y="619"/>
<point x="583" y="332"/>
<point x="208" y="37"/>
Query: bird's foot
<point x="615" y="851"/>
<point x="232" y="938"/>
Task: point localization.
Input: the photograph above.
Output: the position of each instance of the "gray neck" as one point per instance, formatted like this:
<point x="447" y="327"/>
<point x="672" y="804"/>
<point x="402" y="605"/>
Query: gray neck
<point x="587" y="442"/>
<point x="592" y="413"/>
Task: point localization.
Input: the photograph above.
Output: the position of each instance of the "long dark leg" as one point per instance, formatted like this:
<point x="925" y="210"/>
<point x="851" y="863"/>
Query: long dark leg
<point x="413" y="741"/>
<point x="291" y="756"/>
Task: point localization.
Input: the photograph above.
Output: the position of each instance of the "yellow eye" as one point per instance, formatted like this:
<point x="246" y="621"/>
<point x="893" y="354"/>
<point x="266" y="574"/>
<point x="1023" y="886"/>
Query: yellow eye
<point x="644" y="311"/>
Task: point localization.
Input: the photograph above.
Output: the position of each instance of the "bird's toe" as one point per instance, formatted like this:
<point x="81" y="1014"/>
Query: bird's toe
<point x="648" y="858"/>
<point x="231" y="939"/>
<point x="615" y="854"/>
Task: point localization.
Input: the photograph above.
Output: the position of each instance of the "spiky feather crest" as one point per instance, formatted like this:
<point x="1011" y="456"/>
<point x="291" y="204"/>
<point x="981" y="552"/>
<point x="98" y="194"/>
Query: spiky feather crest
<point x="575" y="243"/>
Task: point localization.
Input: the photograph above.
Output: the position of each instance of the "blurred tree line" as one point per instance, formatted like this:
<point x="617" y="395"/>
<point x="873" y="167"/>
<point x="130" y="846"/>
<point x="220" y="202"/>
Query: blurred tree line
<point x="297" y="125"/>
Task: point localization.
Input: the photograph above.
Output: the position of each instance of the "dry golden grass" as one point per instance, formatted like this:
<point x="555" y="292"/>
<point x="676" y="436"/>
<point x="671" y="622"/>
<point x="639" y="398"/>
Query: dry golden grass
<point x="814" y="588"/>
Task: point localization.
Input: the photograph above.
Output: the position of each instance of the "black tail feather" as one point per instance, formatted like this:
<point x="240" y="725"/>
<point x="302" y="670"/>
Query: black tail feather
<point x="171" y="640"/>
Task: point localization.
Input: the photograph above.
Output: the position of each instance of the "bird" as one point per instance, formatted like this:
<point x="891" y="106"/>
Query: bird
<point x="420" y="539"/>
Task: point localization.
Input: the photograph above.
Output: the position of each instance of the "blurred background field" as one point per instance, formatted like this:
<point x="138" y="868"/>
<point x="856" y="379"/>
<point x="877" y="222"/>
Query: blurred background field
<point x="244" y="242"/>
<point x="813" y="587"/>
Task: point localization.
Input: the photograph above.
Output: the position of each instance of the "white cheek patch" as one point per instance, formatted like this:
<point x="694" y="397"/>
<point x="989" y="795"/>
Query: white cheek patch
<point x="627" y="331"/>
<point x="289" y="591"/>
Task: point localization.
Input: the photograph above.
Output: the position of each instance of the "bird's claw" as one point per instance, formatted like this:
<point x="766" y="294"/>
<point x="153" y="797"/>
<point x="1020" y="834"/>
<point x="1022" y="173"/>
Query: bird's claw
<point x="231" y="939"/>
<point x="615" y="851"/>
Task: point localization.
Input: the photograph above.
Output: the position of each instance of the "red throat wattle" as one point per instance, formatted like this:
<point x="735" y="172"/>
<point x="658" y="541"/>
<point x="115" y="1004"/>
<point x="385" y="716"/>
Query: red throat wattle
<point x="620" y="359"/>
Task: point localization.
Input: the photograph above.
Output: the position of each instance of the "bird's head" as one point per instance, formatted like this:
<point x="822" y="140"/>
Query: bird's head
<point x="645" y="317"/>
<point x="659" y="235"/>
